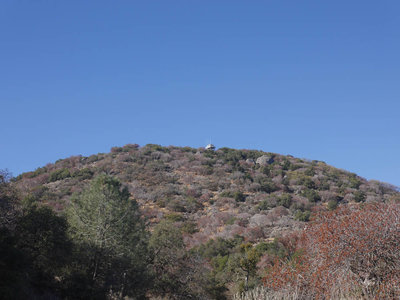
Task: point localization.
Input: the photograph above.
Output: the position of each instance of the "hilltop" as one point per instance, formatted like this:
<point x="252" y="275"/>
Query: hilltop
<point x="224" y="193"/>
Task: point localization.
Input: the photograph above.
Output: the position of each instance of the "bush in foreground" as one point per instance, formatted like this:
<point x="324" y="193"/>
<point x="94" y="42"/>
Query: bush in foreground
<point x="344" y="253"/>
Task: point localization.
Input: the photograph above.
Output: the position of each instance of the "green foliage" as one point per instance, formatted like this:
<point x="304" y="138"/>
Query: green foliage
<point x="37" y="172"/>
<point x="311" y="195"/>
<point x="359" y="196"/>
<point x="354" y="182"/>
<point x="174" y="217"/>
<point x="93" y="158"/>
<point x="286" y="165"/>
<point x="294" y="167"/>
<point x="310" y="171"/>
<point x="42" y="238"/>
<point x="176" y="272"/>
<point x="267" y="185"/>
<point x="192" y="204"/>
<point x="274" y="249"/>
<point x="189" y="227"/>
<point x="232" y="260"/>
<point x="307" y="182"/>
<point x="59" y="174"/>
<point x="188" y="149"/>
<point x="266" y="170"/>
<point x="285" y="200"/>
<point x="130" y="147"/>
<point x="83" y="174"/>
<point x="303" y="216"/>
<point x="332" y="204"/>
<point x="239" y="196"/>
<point x="158" y="166"/>
<point x="37" y="194"/>
<point x="13" y="284"/>
<point x="210" y="163"/>
<point x="110" y="233"/>
<point x="12" y="260"/>
<point x="231" y="156"/>
<point x="188" y="204"/>
<point x="167" y="245"/>
<point x="34" y="248"/>
<point x="246" y="263"/>
<point x="210" y="154"/>
<point x="228" y="194"/>
<point x="324" y="184"/>
<point x="230" y="221"/>
<point x="264" y="205"/>
<point x="219" y="246"/>
<point x="154" y="147"/>
<point x="176" y="205"/>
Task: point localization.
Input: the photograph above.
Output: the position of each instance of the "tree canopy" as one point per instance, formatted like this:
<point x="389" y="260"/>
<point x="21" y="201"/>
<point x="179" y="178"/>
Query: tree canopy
<point x="111" y="233"/>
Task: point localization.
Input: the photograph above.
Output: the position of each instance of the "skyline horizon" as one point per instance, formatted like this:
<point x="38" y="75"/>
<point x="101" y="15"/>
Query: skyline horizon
<point x="312" y="79"/>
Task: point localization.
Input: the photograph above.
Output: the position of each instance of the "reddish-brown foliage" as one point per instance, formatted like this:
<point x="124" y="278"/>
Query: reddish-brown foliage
<point x="353" y="252"/>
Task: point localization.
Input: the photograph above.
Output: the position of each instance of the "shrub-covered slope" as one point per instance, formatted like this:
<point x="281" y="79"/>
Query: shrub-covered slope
<point x="222" y="193"/>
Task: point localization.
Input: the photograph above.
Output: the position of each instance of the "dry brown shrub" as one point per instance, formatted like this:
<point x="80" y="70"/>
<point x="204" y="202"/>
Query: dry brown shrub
<point x="353" y="252"/>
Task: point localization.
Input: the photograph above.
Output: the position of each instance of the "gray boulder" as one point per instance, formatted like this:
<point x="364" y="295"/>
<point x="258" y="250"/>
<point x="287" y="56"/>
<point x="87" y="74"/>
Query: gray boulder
<point x="250" y="161"/>
<point x="259" y="220"/>
<point x="264" y="160"/>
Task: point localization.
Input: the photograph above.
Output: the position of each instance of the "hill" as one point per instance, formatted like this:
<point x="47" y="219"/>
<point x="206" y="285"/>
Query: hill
<point x="157" y="222"/>
<point x="224" y="193"/>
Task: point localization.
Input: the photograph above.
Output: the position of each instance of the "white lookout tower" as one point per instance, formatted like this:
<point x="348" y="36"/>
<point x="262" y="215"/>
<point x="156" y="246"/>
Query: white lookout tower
<point x="210" y="147"/>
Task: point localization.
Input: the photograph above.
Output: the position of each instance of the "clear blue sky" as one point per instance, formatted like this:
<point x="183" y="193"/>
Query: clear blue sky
<point x="315" y="79"/>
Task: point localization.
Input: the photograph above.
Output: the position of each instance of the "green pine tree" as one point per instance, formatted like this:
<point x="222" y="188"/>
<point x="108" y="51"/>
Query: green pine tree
<point x="112" y="238"/>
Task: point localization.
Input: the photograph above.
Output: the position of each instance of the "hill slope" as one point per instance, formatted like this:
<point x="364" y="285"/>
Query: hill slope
<point x="221" y="193"/>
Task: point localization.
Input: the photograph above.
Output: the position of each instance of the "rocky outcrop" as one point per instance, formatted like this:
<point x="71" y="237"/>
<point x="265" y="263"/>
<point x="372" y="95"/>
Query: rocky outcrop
<point x="264" y="160"/>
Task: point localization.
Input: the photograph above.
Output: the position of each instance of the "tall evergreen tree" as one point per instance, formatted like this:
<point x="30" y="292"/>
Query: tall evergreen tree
<point x="112" y="239"/>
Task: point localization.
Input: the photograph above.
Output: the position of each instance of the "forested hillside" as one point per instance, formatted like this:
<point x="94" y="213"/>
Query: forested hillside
<point x="179" y="222"/>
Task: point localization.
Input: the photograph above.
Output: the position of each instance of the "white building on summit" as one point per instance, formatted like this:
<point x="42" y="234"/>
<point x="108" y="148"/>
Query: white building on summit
<point x="210" y="147"/>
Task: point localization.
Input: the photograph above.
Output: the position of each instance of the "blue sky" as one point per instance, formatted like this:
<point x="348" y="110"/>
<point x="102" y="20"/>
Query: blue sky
<point x="314" y="79"/>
